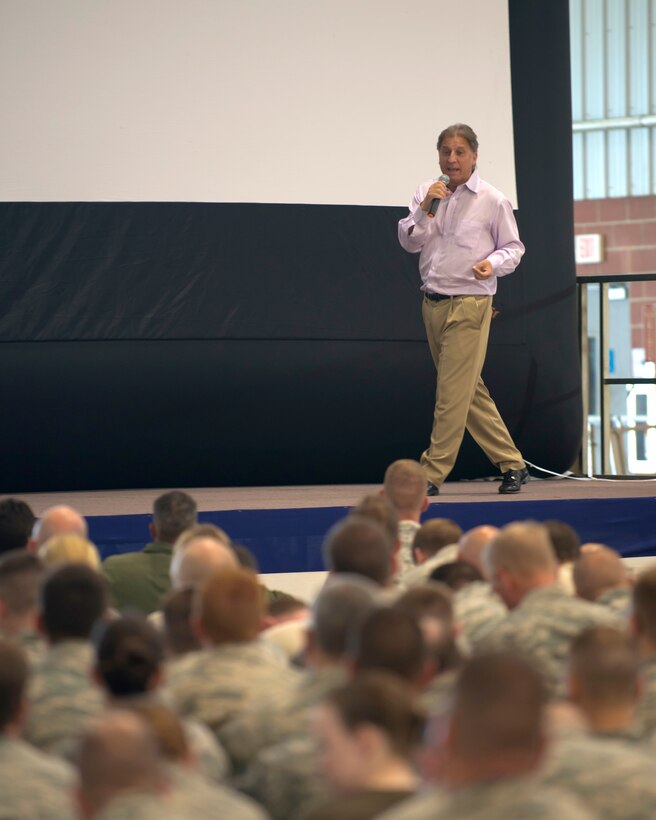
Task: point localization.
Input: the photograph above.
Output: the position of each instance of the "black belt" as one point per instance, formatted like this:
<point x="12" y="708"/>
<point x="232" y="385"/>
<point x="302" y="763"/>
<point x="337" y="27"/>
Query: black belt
<point x="440" y="297"/>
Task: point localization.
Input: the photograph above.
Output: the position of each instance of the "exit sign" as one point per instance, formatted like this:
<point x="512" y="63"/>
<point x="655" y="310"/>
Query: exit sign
<point x="589" y="248"/>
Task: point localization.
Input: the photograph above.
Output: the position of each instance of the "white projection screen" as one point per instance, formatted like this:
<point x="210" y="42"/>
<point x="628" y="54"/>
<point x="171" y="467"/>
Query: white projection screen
<point x="294" y="101"/>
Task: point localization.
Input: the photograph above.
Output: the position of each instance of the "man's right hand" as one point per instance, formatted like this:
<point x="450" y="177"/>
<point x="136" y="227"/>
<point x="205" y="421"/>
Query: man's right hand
<point x="437" y="190"/>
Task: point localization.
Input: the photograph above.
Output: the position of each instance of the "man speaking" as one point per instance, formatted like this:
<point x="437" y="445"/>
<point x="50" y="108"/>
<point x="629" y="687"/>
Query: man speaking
<point x="466" y="234"/>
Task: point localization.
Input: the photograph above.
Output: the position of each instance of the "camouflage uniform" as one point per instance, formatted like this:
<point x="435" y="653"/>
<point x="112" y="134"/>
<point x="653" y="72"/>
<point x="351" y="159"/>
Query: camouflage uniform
<point x="218" y="684"/>
<point x="478" y="610"/>
<point x="614" y="778"/>
<point x="417" y="575"/>
<point x="33" y="786"/>
<point x="437" y="699"/>
<point x="619" y="600"/>
<point x="31" y="643"/>
<point x="542" y="627"/>
<point x="646" y="711"/>
<point x="62" y="698"/>
<point x="407" y="531"/>
<point x="514" y="798"/>
<point x="278" y="719"/>
<point x="208" y="800"/>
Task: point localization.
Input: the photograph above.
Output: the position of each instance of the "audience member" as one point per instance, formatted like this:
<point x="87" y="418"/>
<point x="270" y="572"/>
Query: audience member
<point x="543" y="618"/>
<point x="16" y="523"/>
<point x="200" y="551"/>
<point x="643" y="622"/>
<point x="21" y="574"/>
<point x="32" y="784"/>
<point x="567" y="548"/>
<point x="179" y="635"/>
<point x="69" y="549"/>
<point x="599" y="575"/>
<point x="404" y="487"/>
<point x="435" y="544"/>
<point x="58" y="520"/>
<point x="139" y="580"/>
<point x="63" y="698"/>
<point x="359" y="546"/>
<point x="456" y="575"/>
<point x="368" y="732"/>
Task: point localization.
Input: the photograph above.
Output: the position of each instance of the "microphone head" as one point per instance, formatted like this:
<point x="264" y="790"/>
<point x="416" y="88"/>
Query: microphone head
<point x="445" y="179"/>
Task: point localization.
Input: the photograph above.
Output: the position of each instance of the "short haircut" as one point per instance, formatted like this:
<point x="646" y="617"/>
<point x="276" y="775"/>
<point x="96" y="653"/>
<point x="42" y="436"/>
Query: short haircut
<point x="69" y="548"/>
<point x="459" y="129"/>
<point x="523" y="548"/>
<point x="21" y="573"/>
<point x="597" y="570"/>
<point x="498" y="708"/>
<point x="405" y="485"/>
<point x="431" y="606"/>
<point x="456" y="574"/>
<point x="436" y="534"/>
<point x="360" y="546"/>
<point x="16" y="523"/>
<point x="644" y="603"/>
<point x="13" y="679"/>
<point x="129" y="652"/>
<point x="380" y="700"/>
<point x="179" y="635"/>
<point x="173" y="513"/>
<point x="339" y="610"/>
<point x="564" y="540"/>
<point x="231" y="606"/>
<point x="605" y="663"/>
<point x="390" y="640"/>
<point x="73" y="598"/>
<point x="378" y="509"/>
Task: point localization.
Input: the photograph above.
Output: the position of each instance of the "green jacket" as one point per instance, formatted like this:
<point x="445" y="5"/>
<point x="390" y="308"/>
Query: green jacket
<point x="139" y="580"/>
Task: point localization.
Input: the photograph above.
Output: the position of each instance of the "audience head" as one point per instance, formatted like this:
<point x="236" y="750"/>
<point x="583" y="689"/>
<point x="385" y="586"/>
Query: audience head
<point x="405" y="488"/>
<point x="644" y="610"/>
<point x="597" y="570"/>
<point x="129" y="656"/>
<point x="13" y="680"/>
<point x="433" y="536"/>
<point x="21" y="574"/>
<point x="118" y="755"/>
<point x="603" y="671"/>
<point x="474" y="543"/>
<point x="430" y="606"/>
<point x="179" y="635"/>
<point x="378" y="509"/>
<point x="519" y="560"/>
<point x="69" y="549"/>
<point x="564" y="540"/>
<point x="198" y="552"/>
<point x="16" y="524"/>
<point x="360" y="546"/>
<point x="339" y="610"/>
<point x="73" y="599"/>
<point x="363" y="728"/>
<point x="173" y="513"/>
<point x="456" y="575"/>
<point x="58" y="520"/>
<point x="229" y="607"/>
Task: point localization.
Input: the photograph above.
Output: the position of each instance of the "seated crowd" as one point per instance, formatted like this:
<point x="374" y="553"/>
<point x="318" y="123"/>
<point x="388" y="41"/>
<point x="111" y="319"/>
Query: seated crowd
<point x="489" y="674"/>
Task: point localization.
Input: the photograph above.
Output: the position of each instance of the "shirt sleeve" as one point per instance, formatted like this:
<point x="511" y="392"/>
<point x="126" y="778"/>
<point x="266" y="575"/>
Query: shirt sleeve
<point x="509" y="247"/>
<point x="413" y="229"/>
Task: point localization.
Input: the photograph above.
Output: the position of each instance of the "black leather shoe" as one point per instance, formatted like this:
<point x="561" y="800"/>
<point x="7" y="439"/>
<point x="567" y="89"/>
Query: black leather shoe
<point x="432" y="490"/>
<point x="511" y="482"/>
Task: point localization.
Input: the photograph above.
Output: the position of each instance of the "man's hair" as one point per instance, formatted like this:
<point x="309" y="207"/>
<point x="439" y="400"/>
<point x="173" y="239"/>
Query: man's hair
<point x="231" y="606"/>
<point x="129" y="652"/>
<point x="605" y="664"/>
<point x="73" y="598"/>
<point x="339" y="610"/>
<point x="16" y="523"/>
<point x="459" y="129"/>
<point x="173" y="513"/>
<point x="21" y="573"/>
<point x="456" y="574"/>
<point x="378" y="509"/>
<point x="69" y="548"/>
<point x="391" y="640"/>
<point x="431" y="607"/>
<point x="523" y="549"/>
<point x="436" y="534"/>
<point x="564" y="540"/>
<point x="360" y="546"/>
<point x="405" y="485"/>
<point x="13" y="678"/>
<point x="498" y="708"/>
<point x="179" y="635"/>
<point x="380" y="700"/>
<point x="644" y="603"/>
<point x="597" y="570"/>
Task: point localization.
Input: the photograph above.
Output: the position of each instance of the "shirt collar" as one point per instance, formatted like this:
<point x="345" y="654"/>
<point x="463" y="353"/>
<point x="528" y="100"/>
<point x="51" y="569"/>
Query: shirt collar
<point x="473" y="182"/>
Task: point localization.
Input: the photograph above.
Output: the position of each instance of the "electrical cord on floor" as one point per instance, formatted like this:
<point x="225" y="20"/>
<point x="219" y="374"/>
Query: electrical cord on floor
<point x="571" y="477"/>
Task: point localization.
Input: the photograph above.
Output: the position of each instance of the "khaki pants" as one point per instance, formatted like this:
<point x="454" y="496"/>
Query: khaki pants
<point x="458" y="331"/>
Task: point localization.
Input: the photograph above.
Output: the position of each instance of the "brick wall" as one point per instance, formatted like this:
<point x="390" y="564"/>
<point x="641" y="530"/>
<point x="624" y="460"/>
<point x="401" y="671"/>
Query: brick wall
<point x="628" y="226"/>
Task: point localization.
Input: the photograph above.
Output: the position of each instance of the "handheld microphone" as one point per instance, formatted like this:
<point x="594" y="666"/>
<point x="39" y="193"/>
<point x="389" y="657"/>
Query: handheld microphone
<point x="433" y="206"/>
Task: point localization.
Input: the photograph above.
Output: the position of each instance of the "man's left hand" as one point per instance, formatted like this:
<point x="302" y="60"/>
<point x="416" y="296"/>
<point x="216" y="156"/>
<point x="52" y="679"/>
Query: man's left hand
<point x="483" y="270"/>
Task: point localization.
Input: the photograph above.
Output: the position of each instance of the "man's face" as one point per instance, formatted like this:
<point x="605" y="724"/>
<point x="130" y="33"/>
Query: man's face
<point x="457" y="160"/>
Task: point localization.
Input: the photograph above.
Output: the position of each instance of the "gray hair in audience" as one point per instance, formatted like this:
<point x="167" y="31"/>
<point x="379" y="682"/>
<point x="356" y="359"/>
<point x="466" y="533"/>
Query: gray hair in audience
<point x="341" y="607"/>
<point x="524" y="549"/>
<point x="173" y="513"/>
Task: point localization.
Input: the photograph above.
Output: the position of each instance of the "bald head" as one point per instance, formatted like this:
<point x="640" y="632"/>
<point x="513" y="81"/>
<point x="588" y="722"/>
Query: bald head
<point x="473" y="544"/>
<point x="598" y="570"/>
<point x="198" y="559"/>
<point x="59" y="520"/>
<point x="119" y="754"/>
<point x="520" y="559"/>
